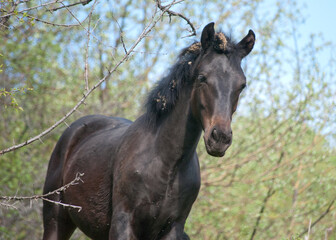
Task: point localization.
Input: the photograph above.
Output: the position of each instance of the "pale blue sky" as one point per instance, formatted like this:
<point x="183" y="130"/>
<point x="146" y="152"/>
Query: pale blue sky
<point x="321" y="17"/>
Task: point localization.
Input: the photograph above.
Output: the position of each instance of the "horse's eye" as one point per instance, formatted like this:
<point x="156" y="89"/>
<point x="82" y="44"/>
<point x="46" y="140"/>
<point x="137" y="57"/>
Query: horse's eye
<point x="201" y="78"/>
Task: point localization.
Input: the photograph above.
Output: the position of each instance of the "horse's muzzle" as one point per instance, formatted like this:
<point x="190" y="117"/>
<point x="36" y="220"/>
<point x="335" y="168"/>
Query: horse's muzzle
<point x="217" y="141"/>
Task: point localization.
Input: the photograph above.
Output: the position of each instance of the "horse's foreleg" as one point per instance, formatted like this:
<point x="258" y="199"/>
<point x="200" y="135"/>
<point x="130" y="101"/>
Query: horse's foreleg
<point x="56" y="220"/>
<point x="57" y="223"/>
<point x="176" y="233"/>
<point x="121" y="228"/>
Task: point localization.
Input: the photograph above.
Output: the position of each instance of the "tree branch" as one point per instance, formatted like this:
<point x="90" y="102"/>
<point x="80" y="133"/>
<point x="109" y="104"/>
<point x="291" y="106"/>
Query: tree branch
<point x="121" y="33"/>
<point x="172" y="13"/>
<point x="144" y="33"/>
<point x="4" y="18"/>
<point x="71" y="5"/>
<point x="52" y="24"/>
<point x="76" y="181"/>
<point x="31" y="8"/>
<point x="318" y="219"/>
<point x="262" y="209"/>
<point x="269" y="194"/>
<point x="86" y="74"/>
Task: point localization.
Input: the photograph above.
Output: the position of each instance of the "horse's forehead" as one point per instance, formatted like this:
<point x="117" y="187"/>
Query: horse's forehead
<point x="216" y="62"/>
<point x="220" y="67"/>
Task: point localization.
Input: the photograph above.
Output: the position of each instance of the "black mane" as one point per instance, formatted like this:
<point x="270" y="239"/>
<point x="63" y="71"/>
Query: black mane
<point x="163" y="97"/>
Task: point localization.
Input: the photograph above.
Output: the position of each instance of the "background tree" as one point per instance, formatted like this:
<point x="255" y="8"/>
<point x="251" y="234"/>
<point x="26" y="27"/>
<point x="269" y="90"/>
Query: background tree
<point x="275" y="182"/>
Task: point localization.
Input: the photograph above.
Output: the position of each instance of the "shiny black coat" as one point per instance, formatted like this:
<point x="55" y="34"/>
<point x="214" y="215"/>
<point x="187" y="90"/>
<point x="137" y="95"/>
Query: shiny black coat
<point x="141" y="178"/>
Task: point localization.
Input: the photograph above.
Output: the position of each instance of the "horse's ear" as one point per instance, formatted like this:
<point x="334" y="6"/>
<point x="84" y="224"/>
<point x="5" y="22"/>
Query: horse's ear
<point x="208" y="35"/>
<point x="246" y="44"/>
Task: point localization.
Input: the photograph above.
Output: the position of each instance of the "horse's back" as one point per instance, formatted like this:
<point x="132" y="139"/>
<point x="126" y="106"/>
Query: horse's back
<point x="87" y="147"/>
<point x="76" y="134"/>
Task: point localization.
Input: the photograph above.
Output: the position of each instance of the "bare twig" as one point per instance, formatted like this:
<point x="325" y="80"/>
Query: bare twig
<point x="31" y="8"/>
<point x="318" y="219"/>
<point x="309" y="227"/>
<point x="262" y="209"/>
<point x="76" y="181"/>
<point x="62" y="204"/>
<point x="80" y="23"/>
<point x="144" y="33"/>
<point x="269" y="194"/>
<point x="121" y="26"/>
<point x="71" y="5"/>
<point x="172" y="13"/>
<point x="4" y="18"/>
<point x="53" y="24"/>
<point x="8" y="205"/>
<point x="86" y="74"/>
<point x="120" y="34"/>
<point x="73" y="15"/>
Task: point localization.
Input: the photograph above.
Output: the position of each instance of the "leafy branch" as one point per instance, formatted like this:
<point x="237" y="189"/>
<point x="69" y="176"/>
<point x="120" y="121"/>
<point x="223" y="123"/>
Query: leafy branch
<point x="11" y="95"/>
<point x="143" y="34"/>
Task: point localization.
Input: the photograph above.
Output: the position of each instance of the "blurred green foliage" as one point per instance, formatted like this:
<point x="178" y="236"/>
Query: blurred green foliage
<point x="275" y="180"/>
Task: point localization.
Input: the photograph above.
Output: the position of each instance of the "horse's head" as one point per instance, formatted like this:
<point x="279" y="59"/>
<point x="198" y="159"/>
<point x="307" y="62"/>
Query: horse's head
<point x="219" y="80"/>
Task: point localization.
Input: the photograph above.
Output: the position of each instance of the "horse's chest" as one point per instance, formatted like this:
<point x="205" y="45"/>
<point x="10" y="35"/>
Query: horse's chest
<point x="185" y="186"/>
<point x="179" y="198"/>
<point x="173" y="196"/>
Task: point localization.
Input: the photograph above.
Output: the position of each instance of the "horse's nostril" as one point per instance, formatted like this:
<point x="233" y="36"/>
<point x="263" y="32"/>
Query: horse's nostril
<point x="219" y="136"/>
<point x="215" y="134"/>
<point x="227" y="138"/>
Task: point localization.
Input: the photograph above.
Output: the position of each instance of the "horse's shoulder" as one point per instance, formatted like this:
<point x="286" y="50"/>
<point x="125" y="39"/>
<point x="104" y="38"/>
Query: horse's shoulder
<point x="85" y="127"/>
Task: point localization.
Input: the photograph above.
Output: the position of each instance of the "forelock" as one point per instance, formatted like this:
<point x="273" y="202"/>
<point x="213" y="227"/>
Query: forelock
<point x="220" y="43"/>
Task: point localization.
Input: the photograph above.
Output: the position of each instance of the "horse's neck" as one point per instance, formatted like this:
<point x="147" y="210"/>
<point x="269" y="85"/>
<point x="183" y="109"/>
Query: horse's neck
<point x="178" y="135"/>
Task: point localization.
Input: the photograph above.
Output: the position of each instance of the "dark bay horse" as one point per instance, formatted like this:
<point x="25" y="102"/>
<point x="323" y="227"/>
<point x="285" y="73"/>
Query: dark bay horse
<point x="141" y="178"/>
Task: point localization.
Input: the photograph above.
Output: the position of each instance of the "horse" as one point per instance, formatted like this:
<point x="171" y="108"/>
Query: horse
<point x="141" y="178"/>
